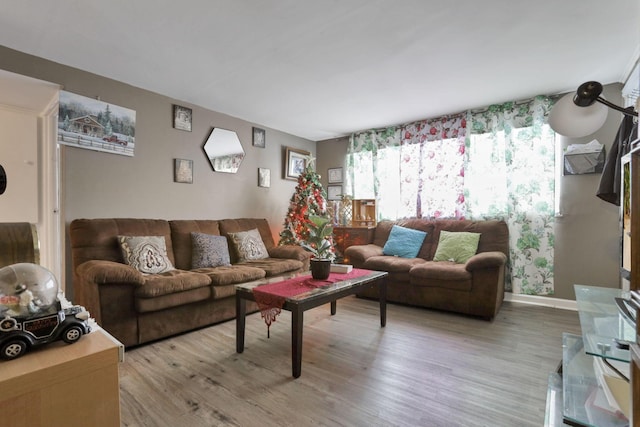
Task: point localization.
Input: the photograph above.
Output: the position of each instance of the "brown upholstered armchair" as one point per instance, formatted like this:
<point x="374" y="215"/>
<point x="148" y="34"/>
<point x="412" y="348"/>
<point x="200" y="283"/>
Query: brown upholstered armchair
<point x="18" y="243"/>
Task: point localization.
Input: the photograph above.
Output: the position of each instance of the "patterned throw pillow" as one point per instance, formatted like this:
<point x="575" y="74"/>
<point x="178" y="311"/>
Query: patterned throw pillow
<point x="147" y="254"/>
<point x="208" y="250"/>
<point x="249" y="245"/>
<point x="457" y="247"/>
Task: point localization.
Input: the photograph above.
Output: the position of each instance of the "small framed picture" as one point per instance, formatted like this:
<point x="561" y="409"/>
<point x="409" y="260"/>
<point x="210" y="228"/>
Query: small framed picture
<point x="264" y="177"/>
<point x="183" y="171"/>
<point x="295" y="162"/>
<point x="334" y="192"/>
<point x="259" y="138"/>
<point x="334" y="175"/>
<point x="182" y="118"/>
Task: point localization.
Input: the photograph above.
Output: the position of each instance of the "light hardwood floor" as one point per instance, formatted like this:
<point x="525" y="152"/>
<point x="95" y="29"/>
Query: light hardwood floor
<point x="425" y="368"/>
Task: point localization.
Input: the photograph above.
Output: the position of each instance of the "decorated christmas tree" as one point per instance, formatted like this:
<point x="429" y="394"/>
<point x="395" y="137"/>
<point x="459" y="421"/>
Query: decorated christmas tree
<point x="309" y="198"/>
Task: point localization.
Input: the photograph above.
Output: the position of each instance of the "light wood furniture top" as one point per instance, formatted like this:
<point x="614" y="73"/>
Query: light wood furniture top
<point x="63" y="385"/>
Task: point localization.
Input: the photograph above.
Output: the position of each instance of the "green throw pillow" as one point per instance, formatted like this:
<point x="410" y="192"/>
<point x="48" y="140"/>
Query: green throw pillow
<point x="457" y="247"/>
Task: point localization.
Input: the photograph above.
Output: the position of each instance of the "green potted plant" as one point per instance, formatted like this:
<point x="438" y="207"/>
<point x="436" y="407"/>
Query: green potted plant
<point x="320" y="244"/>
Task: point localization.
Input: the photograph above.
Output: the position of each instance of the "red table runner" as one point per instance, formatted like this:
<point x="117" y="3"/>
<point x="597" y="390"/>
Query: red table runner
<point x="271" y="297"/>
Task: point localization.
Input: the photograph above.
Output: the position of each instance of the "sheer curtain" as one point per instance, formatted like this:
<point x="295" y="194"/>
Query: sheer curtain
<point x="510" y="175"/>
<point x="412" y="169"/>
<point x="494" y="164"/>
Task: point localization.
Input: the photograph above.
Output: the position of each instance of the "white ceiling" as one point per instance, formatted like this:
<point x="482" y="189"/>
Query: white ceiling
<point x="323" y="69"/>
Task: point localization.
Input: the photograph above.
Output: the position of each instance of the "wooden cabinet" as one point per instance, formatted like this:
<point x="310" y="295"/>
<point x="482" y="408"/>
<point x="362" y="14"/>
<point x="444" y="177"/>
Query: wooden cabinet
<point x="363" y="213"/>
<point x="64" y="385"/>
<point x="349" y="236"/>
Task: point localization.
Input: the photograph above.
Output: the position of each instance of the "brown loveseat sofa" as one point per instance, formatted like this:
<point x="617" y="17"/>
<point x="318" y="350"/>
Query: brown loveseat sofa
<point x="475" y="287"/>
<point x="138" y="308"/>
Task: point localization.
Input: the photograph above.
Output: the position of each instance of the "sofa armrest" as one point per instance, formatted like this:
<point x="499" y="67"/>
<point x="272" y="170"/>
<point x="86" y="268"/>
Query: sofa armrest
<point x="291" y="252"/>
<point x="486" y="260"/>
<point x="101" y="272"/>
<point x="360" y="253"/>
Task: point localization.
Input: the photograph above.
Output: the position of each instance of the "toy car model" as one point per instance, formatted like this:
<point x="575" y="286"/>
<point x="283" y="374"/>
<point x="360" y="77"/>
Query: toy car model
<point x="19" y="334"/>
<point x="33" y="312"/>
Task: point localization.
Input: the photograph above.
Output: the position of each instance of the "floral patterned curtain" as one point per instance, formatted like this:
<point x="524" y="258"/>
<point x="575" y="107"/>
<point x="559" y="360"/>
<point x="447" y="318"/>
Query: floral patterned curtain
<point x="432" y="168"/>
<point x="494" y="164"/>
<point x="510" y="175"/>
<point x="411" y="170"/>
<point x="372" y="169"/>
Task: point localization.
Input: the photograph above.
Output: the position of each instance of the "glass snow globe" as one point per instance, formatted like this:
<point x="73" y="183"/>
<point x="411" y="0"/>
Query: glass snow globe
<point x="27" y="290"/>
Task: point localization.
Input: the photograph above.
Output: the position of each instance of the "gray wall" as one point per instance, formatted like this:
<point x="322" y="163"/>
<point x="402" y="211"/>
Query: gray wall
<point x="588" y="232"/>
<point x="101" y="185"/>
<point x="105" y="185"/>
<point x="587" y="247"/>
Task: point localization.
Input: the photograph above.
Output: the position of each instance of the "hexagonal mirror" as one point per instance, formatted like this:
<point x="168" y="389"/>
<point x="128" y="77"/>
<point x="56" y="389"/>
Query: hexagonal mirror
<point x="224" y="150"/>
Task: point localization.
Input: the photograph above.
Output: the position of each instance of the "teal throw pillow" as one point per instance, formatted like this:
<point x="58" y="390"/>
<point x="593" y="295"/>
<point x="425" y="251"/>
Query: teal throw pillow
<point x="456" y="246"/>
<point x="404" y="242"/>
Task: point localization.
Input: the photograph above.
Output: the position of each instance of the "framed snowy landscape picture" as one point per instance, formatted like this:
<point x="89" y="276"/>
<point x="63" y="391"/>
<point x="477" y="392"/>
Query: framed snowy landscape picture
<point x="96" y="125"/>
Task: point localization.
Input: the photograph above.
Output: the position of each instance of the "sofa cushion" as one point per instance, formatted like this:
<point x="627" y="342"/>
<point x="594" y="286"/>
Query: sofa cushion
<point x="443" y="274"/>
<point x="97" y="239"/>
<point x="248" y="245"/>
<point x="171" y="282"/>
<point x="391" y="263"/>
<point x="181" y="230"/>
<point x="275" y="266"/>
<point x="147" y="254"/>
<point x="176" y="299"/>
<point x="209" y="251"/>
<point x="243" y="224"/>
<point x="404" y="242"/>
<point x="231" y="275"/>
<point x="457" y="247"/>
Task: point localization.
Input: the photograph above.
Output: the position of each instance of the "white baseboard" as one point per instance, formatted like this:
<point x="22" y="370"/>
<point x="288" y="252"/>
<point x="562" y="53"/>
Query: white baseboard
<point x="564" y="304"/>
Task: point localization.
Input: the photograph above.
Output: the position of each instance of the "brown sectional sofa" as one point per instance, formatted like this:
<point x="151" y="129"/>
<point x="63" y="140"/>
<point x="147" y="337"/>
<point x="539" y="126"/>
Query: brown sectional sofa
<point x="137" y="308"/>
<point x="475" y="288"/>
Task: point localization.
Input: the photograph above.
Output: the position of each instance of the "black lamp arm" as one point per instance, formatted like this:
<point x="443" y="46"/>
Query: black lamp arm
<point x="628" y="112"/>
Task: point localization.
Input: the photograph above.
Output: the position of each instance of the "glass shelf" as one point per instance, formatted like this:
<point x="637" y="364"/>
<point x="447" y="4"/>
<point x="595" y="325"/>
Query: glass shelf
<point x="584" y="402"/>
<point x="553" y="413"/>
<point x="604" y="329"/>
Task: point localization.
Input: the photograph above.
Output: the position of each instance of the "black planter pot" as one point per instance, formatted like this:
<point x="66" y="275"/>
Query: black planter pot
<point x="320" y="268"/>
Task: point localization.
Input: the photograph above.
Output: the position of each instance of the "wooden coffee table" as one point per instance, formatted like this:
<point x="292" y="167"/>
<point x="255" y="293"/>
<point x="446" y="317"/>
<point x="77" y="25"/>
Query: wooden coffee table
<point x="298" y="304"/>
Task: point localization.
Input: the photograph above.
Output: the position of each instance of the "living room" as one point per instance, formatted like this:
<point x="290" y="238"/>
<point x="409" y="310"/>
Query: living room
<point x="100" y="185"/>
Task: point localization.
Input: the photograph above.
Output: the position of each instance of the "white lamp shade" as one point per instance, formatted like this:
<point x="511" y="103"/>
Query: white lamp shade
<point x="567" y="119"/>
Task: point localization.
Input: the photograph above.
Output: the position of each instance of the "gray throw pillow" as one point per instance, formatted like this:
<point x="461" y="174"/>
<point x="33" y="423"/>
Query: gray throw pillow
<point x="147" y="254"/>
<point x="208" y="250"/>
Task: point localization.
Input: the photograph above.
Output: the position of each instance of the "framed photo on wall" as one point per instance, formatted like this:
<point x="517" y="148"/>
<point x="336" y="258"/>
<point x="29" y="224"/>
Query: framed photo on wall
<point x="259" y="138"/>
<point x="183" y="171"/>
<point x="295" y="162"/>
<point x="182" y="118"/>
<point x="79" y="125"/>
<point x="264" y="177"/>
<point x="334" y="175"/>
<point x="334" y="192"/>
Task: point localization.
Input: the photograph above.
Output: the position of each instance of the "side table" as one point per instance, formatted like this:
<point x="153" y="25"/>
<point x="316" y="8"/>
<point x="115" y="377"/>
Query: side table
<point x="64" y="384"/>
